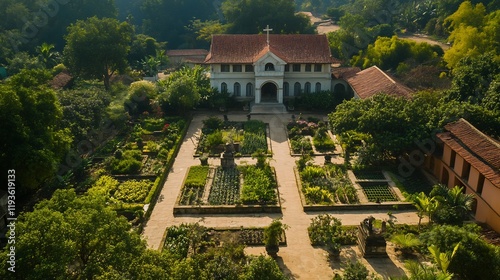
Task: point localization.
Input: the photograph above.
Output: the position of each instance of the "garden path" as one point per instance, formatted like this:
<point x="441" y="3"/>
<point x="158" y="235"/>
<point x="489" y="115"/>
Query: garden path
<point x="298" y="259"/>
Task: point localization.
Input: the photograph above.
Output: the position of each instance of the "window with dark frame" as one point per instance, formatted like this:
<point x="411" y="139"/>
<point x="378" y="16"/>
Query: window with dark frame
<point x="248" y="68"/>
<point x="287" y="68"/>
<point x="225" y="68"/>
<point x="296" y="68"/>
<point x="237" y="89"/>
<point x="286" y="89"/>
<point x="307" y="87"/>
<point x="308" y="68"/>
<point x="318" y="87"/>
<point x="318" y="67"/>
<point x="269" y="67"/>
<point x="237" y="68"/>
<point x="296" y="89"/>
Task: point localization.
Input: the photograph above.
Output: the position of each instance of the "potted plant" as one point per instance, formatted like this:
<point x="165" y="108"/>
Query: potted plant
<point x="204" y="159"/>
<point x="272" y="234"/>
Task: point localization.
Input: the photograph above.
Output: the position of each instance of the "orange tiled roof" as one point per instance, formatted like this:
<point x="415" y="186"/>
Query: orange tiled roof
<point x="292" y="48"/>
<point x="479" y="150"/>
<point x="187" y="52"/>
<point x="373" y="80"/>
<point x="345" y="72"/>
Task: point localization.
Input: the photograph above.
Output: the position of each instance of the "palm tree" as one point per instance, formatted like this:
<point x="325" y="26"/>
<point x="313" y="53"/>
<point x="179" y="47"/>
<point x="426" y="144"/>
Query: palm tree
<point x="419" y="271"/>
<point x="47" y="56"/>
<point x="425" y="206"/>
<point x="460" y="202"/>
<point x="406" y="242"/>
<point x="443" y="259"/>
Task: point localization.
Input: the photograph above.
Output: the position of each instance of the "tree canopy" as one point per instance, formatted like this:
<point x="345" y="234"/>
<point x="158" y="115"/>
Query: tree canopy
<point x="252" y="16"/>
<point x="97" y="48"/>
<point x="32" y="141"/>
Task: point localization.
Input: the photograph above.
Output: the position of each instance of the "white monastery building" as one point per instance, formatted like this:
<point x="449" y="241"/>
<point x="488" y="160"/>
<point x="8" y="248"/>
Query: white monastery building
<point x="268" y="68"/>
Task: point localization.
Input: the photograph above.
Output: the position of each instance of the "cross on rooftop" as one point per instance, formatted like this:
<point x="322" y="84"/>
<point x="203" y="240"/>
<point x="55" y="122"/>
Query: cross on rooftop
<point x="267" y="29"/>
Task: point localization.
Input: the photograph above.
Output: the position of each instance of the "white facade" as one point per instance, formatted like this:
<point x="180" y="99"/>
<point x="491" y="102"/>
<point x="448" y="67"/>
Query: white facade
<point x="270" y="79"/>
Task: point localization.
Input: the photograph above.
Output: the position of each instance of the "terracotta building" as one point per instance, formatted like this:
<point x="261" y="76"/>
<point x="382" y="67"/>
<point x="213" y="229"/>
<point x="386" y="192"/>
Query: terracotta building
<point x="466" y="157"/>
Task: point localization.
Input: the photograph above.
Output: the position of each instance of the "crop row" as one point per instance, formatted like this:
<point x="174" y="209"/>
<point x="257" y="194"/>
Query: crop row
<point x="225" y="188"/>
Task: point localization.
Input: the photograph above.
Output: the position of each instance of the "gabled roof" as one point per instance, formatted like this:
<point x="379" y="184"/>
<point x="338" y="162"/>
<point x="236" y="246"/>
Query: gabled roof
<point x="373" y="80"/>
<point x="292" y="48"/>
<point x="479" y="150"/>
<point x="345" y="72"/>
<point x="187" y="52"/>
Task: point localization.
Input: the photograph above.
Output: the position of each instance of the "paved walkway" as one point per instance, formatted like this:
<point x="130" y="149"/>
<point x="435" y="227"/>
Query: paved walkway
<point x="298" y="259"/>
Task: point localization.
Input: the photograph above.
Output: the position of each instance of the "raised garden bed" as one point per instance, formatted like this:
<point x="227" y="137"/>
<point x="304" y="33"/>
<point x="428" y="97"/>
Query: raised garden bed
<point x="194" y="185"/>
<point x="377" y="192"/>
<point x="309" y="136"/>
<point x="230" y="191"/>
<point x="326" y="185"/>
<point x="247" y="236"/>
<point x="248" y="137"/>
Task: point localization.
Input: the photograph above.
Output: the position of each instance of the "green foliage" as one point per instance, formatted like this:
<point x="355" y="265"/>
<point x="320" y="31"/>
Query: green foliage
<point x="473" y="33"/>
<point x="473" y="79"/>
<point x="140" y="94"/>
<point x="273" y="232"/>
<point x="78" y="232"/>
<point x="23" y="60"/>
<point x="143" y="46"/>
<point x="130" y="163"/>
<point x="97" y="48"/>
<point x="185" y="239"/>
<point x="181" y="94"/>
<point x="83" y="109"/>
<point x="253" y="142"/>
<point x="474" y="258"/>
<point x="453" y="205"/>
<point x="355" y="271"/>
<point x="214" y="139"/>
<point x="389" y="53"/>
<point x="251" y="16"/>
<point x="225" y="188"/>
<point x="133" y="191"/>
<point x="213" y="123"/>
<point x="254" y="126"/>
<point x="263" y="268"/>
<point x="197" y="176"/>
<point x="104" y="187"/>
<point x="259" y="186"/>
<point x="406" y="243"/>
<point x="33" y="140"/>
<point x="326" y="230"/>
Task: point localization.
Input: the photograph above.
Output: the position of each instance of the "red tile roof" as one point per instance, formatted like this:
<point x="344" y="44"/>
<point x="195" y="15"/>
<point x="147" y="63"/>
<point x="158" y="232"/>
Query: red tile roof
<point x="479" y="150"/>
<point x="292" y="48"/>
<point x="345" y="72"/>
<point x="187" y="52"/>
<point x="373" y="80"/>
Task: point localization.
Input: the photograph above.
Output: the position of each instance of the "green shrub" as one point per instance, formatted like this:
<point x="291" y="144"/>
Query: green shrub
<point x="197" y="176"/>
<point x="312" y="172"/>
<point x="326" y="230"/>
<point x="214" y="139"/>
<point x="133" y="191"/>
<point x="253" y="142"/>
<point x="317" y="195"/>
<point x="213" y="123"/>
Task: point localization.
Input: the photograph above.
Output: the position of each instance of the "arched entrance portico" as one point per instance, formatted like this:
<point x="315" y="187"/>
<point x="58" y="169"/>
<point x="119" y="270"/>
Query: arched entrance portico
<point x="269" y="93"/>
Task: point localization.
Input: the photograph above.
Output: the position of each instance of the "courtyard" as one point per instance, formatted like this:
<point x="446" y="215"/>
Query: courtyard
<point x="298" y="258"/>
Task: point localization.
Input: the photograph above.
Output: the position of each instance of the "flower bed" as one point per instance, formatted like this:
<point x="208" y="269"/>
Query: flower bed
<point x="377" y="192"/>
<point x="247" y="236"/>
<point x="326" y="185"/>
<point x="309" y="137"/>
<point x="225" y="188"/>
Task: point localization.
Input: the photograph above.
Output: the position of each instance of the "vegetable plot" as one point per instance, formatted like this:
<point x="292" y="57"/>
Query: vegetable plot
<point x="225" y="187"/>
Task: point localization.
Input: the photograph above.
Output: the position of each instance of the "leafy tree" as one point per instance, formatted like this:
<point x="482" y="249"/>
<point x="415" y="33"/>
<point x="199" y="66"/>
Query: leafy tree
<point x="326" y="230"/>
<point x="97" y="48"/>
<point x="474" y="258"/>
<point x="140" y="96"/>
<point x="472" y="77"/>
<point x="425" y="206"/>
<point x="473" y="32"/>
<point x="23" y="60"/>
<point x="83" y="110"/>
<point x="263" y="268"/>
<point x="252" y="16"/>
<point x="355" y="271"/>
<point x="47" y="56"/>
<point x="453" y="205"/>
<point x="32" y="140"/>
<point x="74" y="237"/>
<point x="143" y="46"/>
<point x="389" y="53"/>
